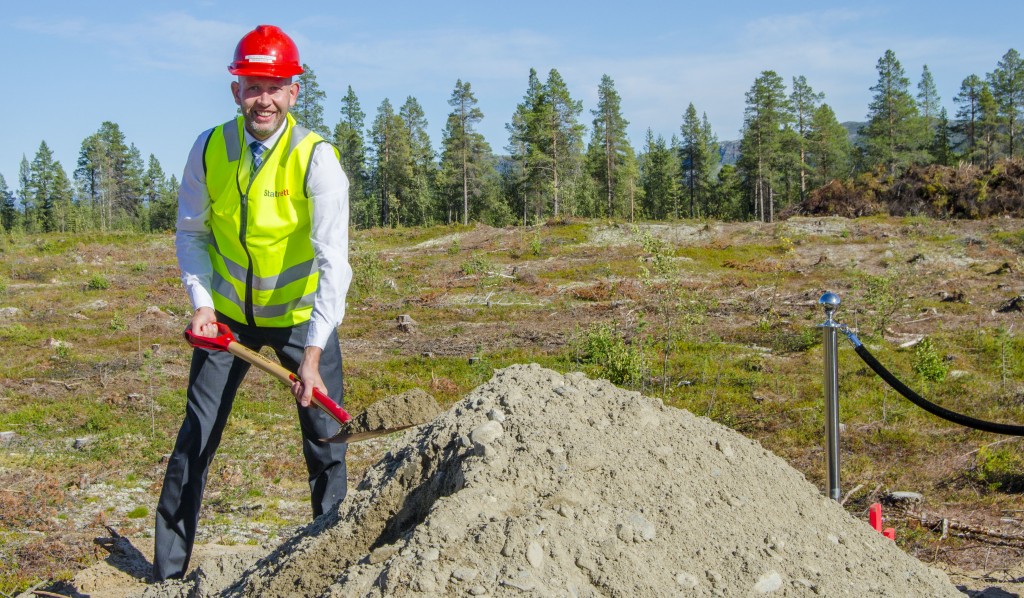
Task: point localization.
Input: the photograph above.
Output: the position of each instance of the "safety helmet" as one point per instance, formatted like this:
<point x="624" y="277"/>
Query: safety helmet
<point x="266" y="51"/>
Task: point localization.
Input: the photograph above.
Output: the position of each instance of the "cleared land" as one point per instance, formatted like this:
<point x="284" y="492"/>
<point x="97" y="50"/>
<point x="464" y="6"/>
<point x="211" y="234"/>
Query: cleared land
<point x="715" y="318"/>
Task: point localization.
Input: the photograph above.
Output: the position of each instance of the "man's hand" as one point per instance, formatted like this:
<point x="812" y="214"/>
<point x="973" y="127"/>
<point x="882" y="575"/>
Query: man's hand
<point x="204" y="322"/>
<point x="309" y="374"/>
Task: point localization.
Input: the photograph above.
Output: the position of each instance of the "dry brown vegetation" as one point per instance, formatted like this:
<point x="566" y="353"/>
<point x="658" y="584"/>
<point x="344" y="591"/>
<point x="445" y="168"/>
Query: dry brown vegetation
<point x="719" y="319"/>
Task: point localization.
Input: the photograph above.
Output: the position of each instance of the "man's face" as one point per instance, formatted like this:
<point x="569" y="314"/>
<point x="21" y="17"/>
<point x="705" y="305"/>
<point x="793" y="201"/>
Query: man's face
<point x="264" y="102"/>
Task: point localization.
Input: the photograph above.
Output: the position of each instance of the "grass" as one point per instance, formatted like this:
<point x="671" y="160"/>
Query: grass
<point x="721" y="324"/>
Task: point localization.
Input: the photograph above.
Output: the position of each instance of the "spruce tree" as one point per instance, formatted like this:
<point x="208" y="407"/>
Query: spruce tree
<point x="40" y="216"/>
<point x="348" y="138"/>
<point x="526" y="139"/>
<point x="390" y="161"/>
<point x="309" y="107"/>
<point x="659" y="178"/>
<point x="8" y="209"/>
<point x="1007" y="83"/>
<point x="988" y="127"/>
<point x="416" y="194"/>
<point x="942" y="148"/>
<point x="562" y="143"/>
<point x="928" y="102"/>
<point x="967" y="116"/>
<point x="828" y="147"/>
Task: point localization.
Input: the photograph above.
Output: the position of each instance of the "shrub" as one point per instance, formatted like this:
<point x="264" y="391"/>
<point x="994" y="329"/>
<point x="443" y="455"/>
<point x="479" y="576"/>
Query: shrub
<point x="616" y="360"/>
<point x="928" y="364"/>
<point x="98" y="282"/>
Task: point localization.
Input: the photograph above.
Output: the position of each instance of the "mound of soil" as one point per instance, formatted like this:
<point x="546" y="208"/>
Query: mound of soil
<point x="550" y="485"/>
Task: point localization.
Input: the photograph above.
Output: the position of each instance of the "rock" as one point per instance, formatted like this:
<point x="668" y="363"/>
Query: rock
<point x="486" y="433"/>
<point x="9" y="312"/>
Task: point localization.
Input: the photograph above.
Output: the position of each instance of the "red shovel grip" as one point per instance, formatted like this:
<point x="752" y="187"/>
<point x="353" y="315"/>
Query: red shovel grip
<point x="216" y="343"/>
<point x="327" y="404"/>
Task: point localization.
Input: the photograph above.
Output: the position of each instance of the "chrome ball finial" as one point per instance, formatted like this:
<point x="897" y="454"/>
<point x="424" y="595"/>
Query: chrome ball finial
<point x="830" y="301"/>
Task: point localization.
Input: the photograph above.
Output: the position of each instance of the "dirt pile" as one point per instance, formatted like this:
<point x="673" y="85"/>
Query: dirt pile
<point x="549" y="485"/>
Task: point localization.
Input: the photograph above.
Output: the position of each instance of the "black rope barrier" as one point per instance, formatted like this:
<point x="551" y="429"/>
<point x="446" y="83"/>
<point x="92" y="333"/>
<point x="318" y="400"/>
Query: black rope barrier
<point x="913" y="397"/>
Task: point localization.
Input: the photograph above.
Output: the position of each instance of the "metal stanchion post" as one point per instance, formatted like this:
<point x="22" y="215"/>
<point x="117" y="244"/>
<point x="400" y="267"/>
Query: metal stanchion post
<point x="830" y="302"/>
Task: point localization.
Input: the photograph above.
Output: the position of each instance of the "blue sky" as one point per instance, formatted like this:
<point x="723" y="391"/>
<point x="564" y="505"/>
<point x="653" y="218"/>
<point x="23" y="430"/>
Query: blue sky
<point x="158" y="68"/>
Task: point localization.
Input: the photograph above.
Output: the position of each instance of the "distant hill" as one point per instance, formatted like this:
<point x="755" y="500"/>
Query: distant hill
<point x="729" y="151"/>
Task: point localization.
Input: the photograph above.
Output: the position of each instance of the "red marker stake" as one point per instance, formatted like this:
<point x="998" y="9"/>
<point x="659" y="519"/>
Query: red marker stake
<point x="889" y="533"/>
<point x="875" y="516"/>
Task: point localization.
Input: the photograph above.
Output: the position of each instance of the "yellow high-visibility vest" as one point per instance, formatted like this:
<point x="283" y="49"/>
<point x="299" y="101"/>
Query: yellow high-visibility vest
<point x="264" y="270"/>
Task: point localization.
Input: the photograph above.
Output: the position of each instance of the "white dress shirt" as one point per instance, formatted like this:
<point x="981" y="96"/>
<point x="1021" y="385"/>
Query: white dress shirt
<point x="328" y="192"/>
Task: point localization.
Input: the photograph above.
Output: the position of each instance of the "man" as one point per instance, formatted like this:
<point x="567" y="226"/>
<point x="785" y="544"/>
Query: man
<point x="262" y="243"/>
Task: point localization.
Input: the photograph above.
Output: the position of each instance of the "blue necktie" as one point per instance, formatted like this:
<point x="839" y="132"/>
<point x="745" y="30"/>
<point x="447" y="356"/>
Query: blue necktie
<point x="257" y="154"/>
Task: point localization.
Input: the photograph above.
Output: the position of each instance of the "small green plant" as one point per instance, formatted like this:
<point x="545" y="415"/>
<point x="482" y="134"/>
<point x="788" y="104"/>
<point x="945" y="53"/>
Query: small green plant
<point x="98" y="282"/>
<point x="3" y="286"/>
<point x="476" y="265"/>
<point x="535" y="245"/>
<point x="117" y="323"/>
<point x="885" y="295"/>
<point x="138" y="267"/>
<point x="61" y="351"/>
<point x="138" y="513"/>
<point x="1000" y="468"/>
<point x="928" y="364"/>
<point x="368" y="273"/>
<point x="605" y="347"/>
<point x="455" y="247"/>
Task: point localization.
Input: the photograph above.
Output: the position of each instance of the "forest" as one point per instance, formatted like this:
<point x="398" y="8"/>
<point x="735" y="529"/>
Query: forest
<point x="909" y="157"/>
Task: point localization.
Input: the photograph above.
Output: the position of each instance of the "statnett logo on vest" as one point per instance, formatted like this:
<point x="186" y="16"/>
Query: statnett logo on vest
<point x="281" y="193"/>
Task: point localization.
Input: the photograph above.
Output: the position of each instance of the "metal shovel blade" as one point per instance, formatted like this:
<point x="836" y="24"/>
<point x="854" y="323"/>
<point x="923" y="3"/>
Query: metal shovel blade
<point x="346" y="436"/>
<point x="388" y="415"/>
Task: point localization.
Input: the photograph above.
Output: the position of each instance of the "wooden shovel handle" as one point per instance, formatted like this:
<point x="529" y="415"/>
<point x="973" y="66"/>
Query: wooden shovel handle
<point x="226" y="342"/>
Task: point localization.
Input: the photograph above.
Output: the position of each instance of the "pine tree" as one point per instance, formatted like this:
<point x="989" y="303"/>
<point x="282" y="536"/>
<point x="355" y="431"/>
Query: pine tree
<point x="309" y="107"/>
<point x="804" y="101"/>
<point x="894" y="136"/>
<point x="8" y="209"/>
<point x="610" y="157"/>
<point x="1007" y="83"/>
<point x="766" y="114"/>
<point x="348" y="138"/>
<point x="828" y="147"/>
<point x="467" y="165"/>
<point x="928" y="102"/>
<point x="967" y="116"/>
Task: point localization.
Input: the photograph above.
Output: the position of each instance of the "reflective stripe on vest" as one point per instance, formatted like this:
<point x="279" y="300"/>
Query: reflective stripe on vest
<point x="265" y="272"/>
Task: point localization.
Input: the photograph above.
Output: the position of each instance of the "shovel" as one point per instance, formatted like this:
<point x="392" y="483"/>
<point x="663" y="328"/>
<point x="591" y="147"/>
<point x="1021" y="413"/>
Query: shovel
<point x="350" y="431"/>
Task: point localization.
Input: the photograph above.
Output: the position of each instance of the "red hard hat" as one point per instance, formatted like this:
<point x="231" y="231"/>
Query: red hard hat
<point x="266" y="51"/>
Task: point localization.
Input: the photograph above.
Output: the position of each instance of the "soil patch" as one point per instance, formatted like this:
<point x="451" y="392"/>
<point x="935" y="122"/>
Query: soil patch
<point x="554" y="485"/>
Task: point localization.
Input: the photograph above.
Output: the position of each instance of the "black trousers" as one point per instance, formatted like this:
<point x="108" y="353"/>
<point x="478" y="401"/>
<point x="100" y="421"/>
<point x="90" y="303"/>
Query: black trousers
<point x="214" y="378"/>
